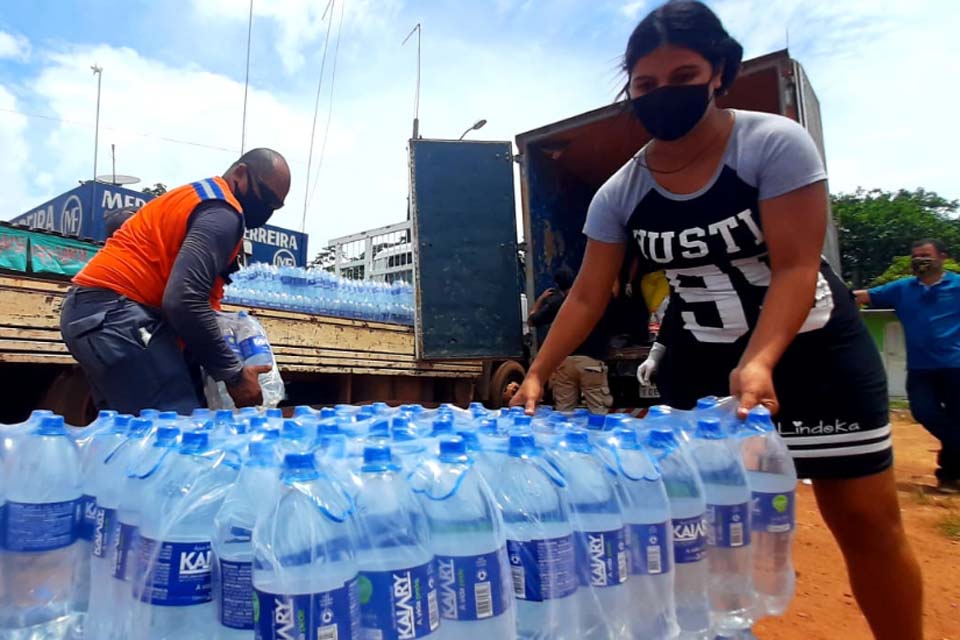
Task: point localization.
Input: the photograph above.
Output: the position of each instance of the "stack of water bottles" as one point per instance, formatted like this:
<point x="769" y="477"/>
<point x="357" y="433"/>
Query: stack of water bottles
<point x="390" y="523"/>
<point x="320" y="292"/>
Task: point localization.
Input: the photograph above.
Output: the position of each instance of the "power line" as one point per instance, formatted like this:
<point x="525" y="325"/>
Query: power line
<point x="333" y="84"/>
<point x="316" y="110"/>
<point x="116" y="129"/>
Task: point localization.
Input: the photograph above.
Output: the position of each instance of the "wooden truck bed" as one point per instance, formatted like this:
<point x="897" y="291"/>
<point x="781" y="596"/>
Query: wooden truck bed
<point x="303" y="344"/>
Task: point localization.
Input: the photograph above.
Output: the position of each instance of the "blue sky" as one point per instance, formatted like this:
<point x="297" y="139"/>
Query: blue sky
<point x="885" y="73"/>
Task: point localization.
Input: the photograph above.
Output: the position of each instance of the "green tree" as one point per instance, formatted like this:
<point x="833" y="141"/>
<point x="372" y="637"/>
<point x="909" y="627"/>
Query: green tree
<point x="900" y="268"/>
<point x="876" y="226"/>
<point x="157" y="189"/>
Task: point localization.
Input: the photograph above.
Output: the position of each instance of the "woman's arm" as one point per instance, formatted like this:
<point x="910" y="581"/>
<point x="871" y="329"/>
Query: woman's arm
<point x="794" y="225"/>
<point x="577" y="317"/>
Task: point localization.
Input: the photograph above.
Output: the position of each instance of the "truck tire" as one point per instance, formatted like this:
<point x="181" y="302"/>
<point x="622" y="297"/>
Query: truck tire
<point x="508" y="372"/>
<point x="69" y="396"/>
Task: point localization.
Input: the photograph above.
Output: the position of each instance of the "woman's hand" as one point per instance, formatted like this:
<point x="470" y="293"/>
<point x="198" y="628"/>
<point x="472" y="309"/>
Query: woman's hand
<point x="529" y="394"/>
<point x="752" y="383"/>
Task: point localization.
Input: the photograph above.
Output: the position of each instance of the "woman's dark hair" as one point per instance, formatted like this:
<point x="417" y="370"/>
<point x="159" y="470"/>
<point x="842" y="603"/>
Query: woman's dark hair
<point x="688" y="24"/>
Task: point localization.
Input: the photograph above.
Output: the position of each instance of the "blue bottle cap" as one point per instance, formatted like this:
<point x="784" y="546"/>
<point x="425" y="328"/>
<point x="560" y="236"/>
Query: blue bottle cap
<point x="167" y="437"/>
<point x="442" y="426"/>
<point x="581" y="413"/>
<point x="403" y="435"/>
<point x="709" y="429"/>
<point x="476" y="405"/>
<point x="302" y="411"/>
<point x="760" y="418"/>
<point x="36" y="414"/>
<point x="150" y="414"/>
<point x="258" y="423"/>
<point x="626" y="438"/>
<point x="380" y="407"/>
<point x="261" y="452"/>
<point x="658" y="411"/>
<point x="662" y="439"/>
<point x="595" y="421"/>
<point x="202" y="413"/>
<point x="401" y="422"/>
<point x="614" y="421"/>
<point x="292" y="430"/>
<point x="522" y="421"/>
<point x="194" y="442"/>
<point x="577" y="437"/>
<point x="327" y="413"/>
<point x="139" y="427"/>
<point x="223" y="415"/>
<point x="299" y="466"/>
<point x="380" y="429"/>
<point x="488" y="426"/>
<point x="121" y="423"/>
<point x="240" y="427"/>
<point x="167" y="415"/>
<point x="521" y="444"/>
<point x="104" y="414"/>
<point x="470" y="439"/>
<point x="376" y="455"/>
<point x="270" y="435"/>
<point x="453" y="448"/>
<point x="366" y="412"/>
<point x="707" y="402"/>
<point x="51" y="426"/>
<point x="274" y="413"/>
<point x="249" y="412"/>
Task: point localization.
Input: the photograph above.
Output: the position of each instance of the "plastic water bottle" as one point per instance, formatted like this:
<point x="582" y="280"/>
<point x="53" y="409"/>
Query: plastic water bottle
<point x="646" y="514"/>
<point x="255" y="349"/>
<point x="41" y="549"/>
<point x="773" y="481"/>
<point x="110" y="551"/>
<point x="305" y="572"/>
<point x="732" y="596"/>
<point x="397" y="573"/>
<point x="175" y="562"/>
<point x="250" y="496"/>
<point x="600" y="537"/>
<point x="540" y="543"/>
<point x="469" y="545"/>
<point x="687" y="512"/>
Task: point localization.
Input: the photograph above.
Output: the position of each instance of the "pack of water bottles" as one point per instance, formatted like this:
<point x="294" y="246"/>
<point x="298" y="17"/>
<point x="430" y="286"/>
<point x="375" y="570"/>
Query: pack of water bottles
<point x="245" y="336"/>
<point x="390" y="523"/>
<point x="320" y="292"/>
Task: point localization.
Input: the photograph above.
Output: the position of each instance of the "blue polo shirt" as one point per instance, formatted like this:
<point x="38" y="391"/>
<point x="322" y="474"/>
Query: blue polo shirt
<point x="930" y="317"/>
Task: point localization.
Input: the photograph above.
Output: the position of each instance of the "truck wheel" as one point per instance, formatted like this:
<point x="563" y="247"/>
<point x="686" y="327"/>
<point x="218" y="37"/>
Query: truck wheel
<point x="69" y="395"/>
<point x="507" y="373"/>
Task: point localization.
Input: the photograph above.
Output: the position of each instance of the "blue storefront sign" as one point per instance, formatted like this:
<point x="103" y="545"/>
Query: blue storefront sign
<point x="79" y="212"/>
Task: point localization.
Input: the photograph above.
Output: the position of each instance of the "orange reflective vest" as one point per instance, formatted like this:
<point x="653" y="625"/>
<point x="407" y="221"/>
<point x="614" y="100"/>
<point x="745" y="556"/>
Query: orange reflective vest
<point x="137" y="260"/>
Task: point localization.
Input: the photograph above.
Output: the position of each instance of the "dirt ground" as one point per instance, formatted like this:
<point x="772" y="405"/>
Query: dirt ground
<point x="824" y="607"/>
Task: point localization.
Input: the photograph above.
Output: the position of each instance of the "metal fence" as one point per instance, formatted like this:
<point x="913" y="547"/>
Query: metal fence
<point x="384" y="254"/>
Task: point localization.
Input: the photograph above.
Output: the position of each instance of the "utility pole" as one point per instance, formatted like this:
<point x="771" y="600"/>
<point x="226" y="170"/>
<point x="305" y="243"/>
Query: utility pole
<point x="246" y="82"/>
<point x="416" y="98"/>
<point x="97" y="71"/>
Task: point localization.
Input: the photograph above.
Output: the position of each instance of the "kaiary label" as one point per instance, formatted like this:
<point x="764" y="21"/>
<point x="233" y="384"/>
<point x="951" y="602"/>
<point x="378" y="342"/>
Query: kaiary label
<point x="473" y="587"/>
<point x="602" y="558"/>
<point x="177" y="573"/>
<point x="254" y="346"/>
<point x="543" y="569"/>
<point x="104" y="532"/>
<point x="773" y="512"/>
<point x="330" y="615"/>
<point x="728" y="525"/>
<point x="89" y="506"/>
<point x="125" y="551"/>
<point x="689" y="539"/>
<point x="401" y="604"/>
<point x="41" y="527"/>
<point x="649" y="546"/>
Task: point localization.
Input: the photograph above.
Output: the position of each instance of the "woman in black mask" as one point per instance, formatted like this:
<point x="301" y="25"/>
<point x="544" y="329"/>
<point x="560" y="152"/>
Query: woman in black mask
<point x="732" y="205"/>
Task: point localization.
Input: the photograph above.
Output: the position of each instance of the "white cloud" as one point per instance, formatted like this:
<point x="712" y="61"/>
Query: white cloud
<point x="631" y="10"/>
<point x="14" y="47"/>
<point x="16" y="165"/>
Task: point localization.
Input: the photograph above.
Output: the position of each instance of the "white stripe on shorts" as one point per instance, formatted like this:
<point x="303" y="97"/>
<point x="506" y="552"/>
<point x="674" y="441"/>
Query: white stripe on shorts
<point x="837" y="452"/>
<point x="854" y="436"/>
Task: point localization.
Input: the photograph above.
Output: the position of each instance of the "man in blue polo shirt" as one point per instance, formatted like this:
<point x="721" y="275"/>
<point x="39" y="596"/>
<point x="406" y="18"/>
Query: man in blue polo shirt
<point x="928" y="307"/>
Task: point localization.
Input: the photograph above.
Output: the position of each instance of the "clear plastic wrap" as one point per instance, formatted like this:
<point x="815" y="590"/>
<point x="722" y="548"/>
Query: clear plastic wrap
<point x="246" y="337"/>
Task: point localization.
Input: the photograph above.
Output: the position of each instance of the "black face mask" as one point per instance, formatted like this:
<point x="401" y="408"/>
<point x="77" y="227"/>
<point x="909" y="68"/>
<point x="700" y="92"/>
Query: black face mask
<point x="255" y="211"/>
<point x="921" y="266"/>
<point x="672" y="111"/>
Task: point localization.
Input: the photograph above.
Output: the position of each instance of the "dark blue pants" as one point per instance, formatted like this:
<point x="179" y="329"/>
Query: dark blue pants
<point x="934" y="396"/>
<point x="130" y="355"/>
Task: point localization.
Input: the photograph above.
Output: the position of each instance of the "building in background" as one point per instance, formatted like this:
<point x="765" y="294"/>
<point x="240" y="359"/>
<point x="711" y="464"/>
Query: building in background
<point x="887" y="333"/>
<point x="384" y="254"/>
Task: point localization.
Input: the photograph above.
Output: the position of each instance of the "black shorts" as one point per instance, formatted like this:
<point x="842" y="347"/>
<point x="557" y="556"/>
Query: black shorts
<point x="834" y="407"/>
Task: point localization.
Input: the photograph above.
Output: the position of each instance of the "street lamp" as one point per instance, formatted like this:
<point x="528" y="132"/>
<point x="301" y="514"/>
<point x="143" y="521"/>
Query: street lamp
<point x="479" y="124"/>
<point x="97" y="71"/>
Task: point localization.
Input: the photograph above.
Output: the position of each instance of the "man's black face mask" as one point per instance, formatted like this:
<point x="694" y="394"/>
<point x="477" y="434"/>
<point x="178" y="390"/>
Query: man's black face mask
<point x="257" y="209"/>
